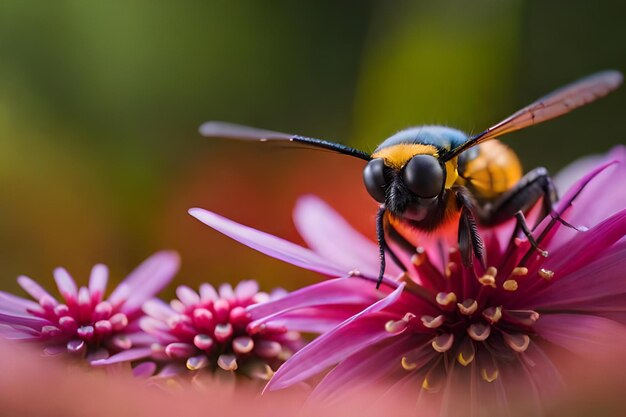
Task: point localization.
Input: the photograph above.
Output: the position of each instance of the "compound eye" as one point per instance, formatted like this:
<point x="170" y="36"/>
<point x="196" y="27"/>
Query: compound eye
<point x="423" y="175"/>
<point x="374" y="179"/>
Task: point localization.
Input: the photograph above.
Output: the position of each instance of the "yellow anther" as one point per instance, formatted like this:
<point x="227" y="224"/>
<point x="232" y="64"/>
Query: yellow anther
<point x="488" y="280"/>
<point x="407" y="365"/>
<point x="493" y="314"/>
<point x="492" y="271"/>
<point x="517" y="342"/>
<point x="443" y="342"/>
<point x="520" y="271"/>
<point x="433" y="322"/>
<point x="468" y="307"/>
<point x="510" y="285"/>
<point x="489" y="376"/>
<point x="546" y="274"/>
<point x="445" y="298"/>
<point x="479" y="331"/>
<point x="463" y="360"/>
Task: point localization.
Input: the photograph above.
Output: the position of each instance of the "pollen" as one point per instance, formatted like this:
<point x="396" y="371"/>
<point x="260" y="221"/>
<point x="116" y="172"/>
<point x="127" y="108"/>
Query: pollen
<point x="510" y="285"/>
<point x="546" y="274"/>
<point x="418" y="257"/>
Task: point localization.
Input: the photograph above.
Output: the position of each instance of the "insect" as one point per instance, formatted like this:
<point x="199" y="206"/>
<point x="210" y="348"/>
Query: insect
<point x="433" y="179"/>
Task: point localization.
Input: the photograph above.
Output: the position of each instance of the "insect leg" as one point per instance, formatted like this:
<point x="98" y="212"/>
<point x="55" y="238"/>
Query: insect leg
<point x="522" y="197"/>
<point x="382" y="246"/>
<point x="470" y="241"/>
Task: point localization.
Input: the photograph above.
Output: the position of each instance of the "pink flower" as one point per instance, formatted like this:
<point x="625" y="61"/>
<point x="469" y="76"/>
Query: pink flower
<point x="209" y="330"/>
<point x="84" y="322"/>
<point x="444" y="333"/>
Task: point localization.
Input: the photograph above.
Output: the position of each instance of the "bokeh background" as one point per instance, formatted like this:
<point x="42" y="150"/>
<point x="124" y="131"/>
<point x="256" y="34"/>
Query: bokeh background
<point x="100" y="103"/>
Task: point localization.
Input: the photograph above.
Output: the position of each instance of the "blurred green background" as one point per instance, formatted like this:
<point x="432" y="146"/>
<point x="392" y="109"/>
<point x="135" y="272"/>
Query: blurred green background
<point x="100" y="104"/>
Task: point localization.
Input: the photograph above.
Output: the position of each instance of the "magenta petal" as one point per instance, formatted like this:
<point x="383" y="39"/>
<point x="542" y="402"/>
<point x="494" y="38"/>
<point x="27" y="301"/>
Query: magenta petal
<point x="98" y="279"/>
<point x="65" y="283"/>
<point x="18" y="303"/>
<point x="334" y="291"/>
<point x="145" y="281"/>
<point x="319" y="319"/>
<point x="125" y="356"/>
<point x="18" y="332"/>
<point x="582" y="333"/>
<point x="144" y="370"/>
<point x="32" y="288"/>
<point x="8" y="316"/>
<point x="595" y="204"/>
<point x="158" y="309"/>
<point x="354" y="334"/>
<point x="246" y="289"/>
<point x="366" y="367"/>
<point x="587" y="246"/>
<point x="330" y="235"/>
<point x="269" y="245"/>
<point x="601" y="278"/>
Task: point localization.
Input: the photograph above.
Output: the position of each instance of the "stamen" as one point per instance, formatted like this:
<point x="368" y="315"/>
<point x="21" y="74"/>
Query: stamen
<point x="407" y="365"/>
<point x="519" y="271"/>
<point x="479" y="331"/>
<point x="443" y="342"/>
<point x="353" y="273"/>
<point x="264" y="373"/>
<point x="223" y="332"/>
<point x="492" y="271"/>
<point x="523" y="317"/>
<point x="546" y="274"/>
<point x="510" y="285"/>
<point x="76" y="346"/>
<point x="466" y="353"/>
<point x="68" y="324"/>
<point x="518" y="342"/>
<point x="396" y="326"/>
<point x="197" y="362"/>
<point x="433" y="322"/>
<point x="268" y="349"/>
<point x="468" y="307"/>
<point x="203" y="341"/>
<point x="451" y="268"/>
<point x="489" y="375"/>
<point x="119" y="321"/>
<point x="445" y="298"/>
<point x="227" y="362"/>
<point x="419" y="257"/>
<point x="493" y="314"/>
<point x="488" y="281"/>
<point x="122" y="342"/>
<point x="243" y="344"/>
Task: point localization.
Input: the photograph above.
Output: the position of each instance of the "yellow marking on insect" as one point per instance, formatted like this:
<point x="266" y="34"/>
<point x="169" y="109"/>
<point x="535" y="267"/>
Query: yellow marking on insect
<point x="396" y="156"/>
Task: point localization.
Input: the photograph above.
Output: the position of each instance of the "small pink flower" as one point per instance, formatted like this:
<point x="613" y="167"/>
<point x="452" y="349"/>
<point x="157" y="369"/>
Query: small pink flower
<point x="210" y="330"/>
<point x="446" y="330"/>
<point x="84" y="322"/>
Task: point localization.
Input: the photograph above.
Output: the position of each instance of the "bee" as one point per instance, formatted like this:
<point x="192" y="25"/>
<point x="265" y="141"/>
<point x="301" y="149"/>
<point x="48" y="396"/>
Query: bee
<point x="433" y="179"/>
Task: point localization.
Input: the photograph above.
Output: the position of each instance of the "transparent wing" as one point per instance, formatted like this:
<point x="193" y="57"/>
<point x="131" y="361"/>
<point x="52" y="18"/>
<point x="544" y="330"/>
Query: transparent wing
<point x="234" y="131"/>
<point x="555" y="104"/>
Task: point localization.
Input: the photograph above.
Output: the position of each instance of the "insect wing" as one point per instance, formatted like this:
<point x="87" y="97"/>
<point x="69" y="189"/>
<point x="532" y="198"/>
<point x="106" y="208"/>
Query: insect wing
<point x="553" y="105"/>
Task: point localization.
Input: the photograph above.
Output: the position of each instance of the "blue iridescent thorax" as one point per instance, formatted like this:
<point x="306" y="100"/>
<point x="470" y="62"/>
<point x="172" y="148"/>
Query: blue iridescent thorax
<point x="442" y="137"/>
